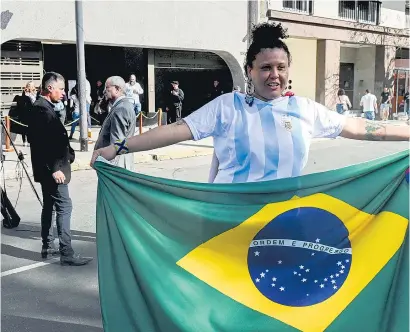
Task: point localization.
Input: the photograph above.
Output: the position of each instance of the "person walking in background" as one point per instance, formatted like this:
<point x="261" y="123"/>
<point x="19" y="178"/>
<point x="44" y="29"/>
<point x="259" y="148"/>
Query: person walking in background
<point x="342" y="102"/>
<point x="174" y="103"/>
<point x="133" y="91"/>
<point x="75" y="105"/>
<point x="120" y="122"/>
<point x="369" y="104"/>
<point x="24" y="103"/>
<point x="216" y="90"/>
<point x="51" y="158"/>
<point x="385" y="99"/>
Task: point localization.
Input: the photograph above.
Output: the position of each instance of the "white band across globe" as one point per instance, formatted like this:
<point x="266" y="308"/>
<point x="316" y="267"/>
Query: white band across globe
<point x="300" y="244"/>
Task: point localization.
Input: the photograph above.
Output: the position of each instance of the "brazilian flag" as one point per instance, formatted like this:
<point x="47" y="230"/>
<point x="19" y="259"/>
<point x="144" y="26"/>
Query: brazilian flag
<point x="321" y="252"/>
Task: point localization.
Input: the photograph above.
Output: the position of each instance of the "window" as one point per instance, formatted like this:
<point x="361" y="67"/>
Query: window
<point x="305" y="6"/>
<point x="360" y="11"/>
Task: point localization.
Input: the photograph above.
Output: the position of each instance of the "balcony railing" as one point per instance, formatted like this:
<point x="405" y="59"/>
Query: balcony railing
<point x="304" y="6"/>
<point x="360" y="11"/>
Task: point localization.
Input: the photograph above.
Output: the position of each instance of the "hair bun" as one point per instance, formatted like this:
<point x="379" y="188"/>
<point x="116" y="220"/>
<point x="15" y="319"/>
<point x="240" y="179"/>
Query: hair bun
<point x="268" y="31"/>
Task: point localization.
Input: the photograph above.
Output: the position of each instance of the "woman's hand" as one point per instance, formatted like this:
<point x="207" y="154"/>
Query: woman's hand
<point x="108" y="153"/>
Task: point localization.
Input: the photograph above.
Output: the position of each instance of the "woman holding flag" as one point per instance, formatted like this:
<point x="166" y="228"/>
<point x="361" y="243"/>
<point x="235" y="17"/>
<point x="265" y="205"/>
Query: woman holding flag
<point x="264" y="134"/>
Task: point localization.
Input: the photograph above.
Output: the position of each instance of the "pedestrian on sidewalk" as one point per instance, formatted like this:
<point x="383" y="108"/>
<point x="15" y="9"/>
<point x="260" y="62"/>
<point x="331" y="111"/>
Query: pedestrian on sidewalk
<point x="133" y="91"/>
<point x="174" y="103"/>
<point x="369" y="104"/>
<point x="21" y="113"/>
<point x="121" y="121"/>
<point x="343" y="102"/>
<point x="385" y="102"/>
<point x="60" y="109"/>
<point x="262" y="135"/>
<point x="51" y="157"/>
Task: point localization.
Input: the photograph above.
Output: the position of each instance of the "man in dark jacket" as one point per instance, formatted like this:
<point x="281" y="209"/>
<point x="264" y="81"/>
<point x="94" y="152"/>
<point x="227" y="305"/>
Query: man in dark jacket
<point x="51" y="157"/>
<point x="174" y="103"/>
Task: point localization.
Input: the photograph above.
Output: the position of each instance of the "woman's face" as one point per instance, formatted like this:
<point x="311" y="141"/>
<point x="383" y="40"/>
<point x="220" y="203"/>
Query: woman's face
<point x="269" y="73"/>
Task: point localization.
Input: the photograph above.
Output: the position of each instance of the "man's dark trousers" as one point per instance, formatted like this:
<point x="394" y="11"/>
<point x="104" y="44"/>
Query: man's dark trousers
<point x="56" y="195"/>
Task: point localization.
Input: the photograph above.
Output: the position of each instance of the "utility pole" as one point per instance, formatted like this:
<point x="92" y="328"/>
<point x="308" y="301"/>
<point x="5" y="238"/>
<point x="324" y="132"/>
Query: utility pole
<point x="81" y="80"/>
<point x="253" y="17"/>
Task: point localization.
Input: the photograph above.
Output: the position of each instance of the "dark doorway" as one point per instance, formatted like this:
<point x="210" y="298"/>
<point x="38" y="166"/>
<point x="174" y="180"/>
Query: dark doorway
<point x="196" y="84"/>
<point x="346" y="80"/>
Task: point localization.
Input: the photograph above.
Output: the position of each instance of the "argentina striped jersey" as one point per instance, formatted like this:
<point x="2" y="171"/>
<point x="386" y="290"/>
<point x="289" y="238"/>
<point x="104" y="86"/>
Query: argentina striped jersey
<point x="265" y="141"/>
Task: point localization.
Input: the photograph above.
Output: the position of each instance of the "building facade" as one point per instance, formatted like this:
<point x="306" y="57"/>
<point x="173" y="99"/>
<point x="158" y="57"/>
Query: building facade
<point x="352" y="45"/>
<point x="355" y="45"/>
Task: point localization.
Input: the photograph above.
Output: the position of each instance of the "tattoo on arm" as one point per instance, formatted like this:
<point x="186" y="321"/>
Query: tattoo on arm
<point x="375" y="131"/>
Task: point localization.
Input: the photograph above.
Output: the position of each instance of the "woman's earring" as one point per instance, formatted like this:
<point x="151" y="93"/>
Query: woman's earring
<point x="249" y="92"/>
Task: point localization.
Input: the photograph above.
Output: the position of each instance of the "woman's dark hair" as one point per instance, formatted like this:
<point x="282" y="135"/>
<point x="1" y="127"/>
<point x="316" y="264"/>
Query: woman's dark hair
<point x="266" y="35"/>
<point x="74" y="90"/>
<point x="341" y="92"/>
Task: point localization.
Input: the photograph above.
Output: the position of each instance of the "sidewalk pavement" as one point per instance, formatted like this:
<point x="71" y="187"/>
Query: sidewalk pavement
<point x="177" y="151"/>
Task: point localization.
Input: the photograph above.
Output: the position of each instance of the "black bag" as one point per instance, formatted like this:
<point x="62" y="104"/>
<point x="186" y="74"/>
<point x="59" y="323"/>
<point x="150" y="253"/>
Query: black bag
<point x="11" y="218"/>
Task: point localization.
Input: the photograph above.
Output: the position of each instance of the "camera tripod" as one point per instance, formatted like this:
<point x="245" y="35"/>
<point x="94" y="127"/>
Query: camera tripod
<point x="11" y="217"/>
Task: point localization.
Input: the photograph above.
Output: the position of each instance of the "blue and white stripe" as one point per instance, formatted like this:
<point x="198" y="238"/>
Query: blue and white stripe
<point x="267" y="141"/>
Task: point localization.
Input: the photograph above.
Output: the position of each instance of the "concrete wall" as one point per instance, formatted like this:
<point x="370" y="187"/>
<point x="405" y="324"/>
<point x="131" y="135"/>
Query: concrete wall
<point x="392" y="12"/>
<point x="188" y="25"/>
<point x="325" y="8"/>
<point x="303" y="67"/>
<point x="391" y="18"/>
<point x="364" y="72"/>
<point x="364" y="69"/>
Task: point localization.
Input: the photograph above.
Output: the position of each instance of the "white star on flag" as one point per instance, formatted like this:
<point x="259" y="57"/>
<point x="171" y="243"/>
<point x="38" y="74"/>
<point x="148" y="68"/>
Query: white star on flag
<point x="256" y="253"/>
<point x="331" y="277"/>
<point x="339" y="263"/>
<point x="337" y="274"/>
<point x="343" y="266"/>
<point x="317" y="240"/>
<point x="307" y="270"/>
<point x="341" y="271"/>
<point x="257" y="280"/>
<point x="315" y="281"/>
<point x="273" y="279"/>
<point x="262" y="275"/>
<point x="301" y="267"/>
<point x="307" y="294"/>
<point x="267" y="270"/>
<point x="304" y="280"/>
<point x="313" y="254"/>
<point x="347" y="261"/>
<point x="325" y="279"/>
<point x="282" y="289"/>
<point x="335" y="287"/>
<point x="294" y="272"/>
<point x="299" y="274"/>
<point x="322" y="286"/>
<point x="279" y="262"/>
<point x="273" y="285"/>
<point x="333" y="281"/>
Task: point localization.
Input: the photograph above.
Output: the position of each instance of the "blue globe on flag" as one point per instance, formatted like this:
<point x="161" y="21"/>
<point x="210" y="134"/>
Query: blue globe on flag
<point x="300" y="258"/>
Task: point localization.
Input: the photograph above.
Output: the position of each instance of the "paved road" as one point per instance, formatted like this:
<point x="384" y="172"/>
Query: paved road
<point x="61" y="299"/>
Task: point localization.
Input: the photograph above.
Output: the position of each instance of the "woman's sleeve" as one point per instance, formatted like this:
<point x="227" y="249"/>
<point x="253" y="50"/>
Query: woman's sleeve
<point x="326" y="123"/>
<point x="205" y="121"/>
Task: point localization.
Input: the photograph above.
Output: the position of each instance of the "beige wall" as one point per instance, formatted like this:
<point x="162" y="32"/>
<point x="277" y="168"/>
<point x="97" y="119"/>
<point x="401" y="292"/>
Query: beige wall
<point x="364" y="69"/>
<point x="185" y="25"/>
<point x="303" y="67"/>
<point x="326" y="8"/>
<point x="393" y="18"/>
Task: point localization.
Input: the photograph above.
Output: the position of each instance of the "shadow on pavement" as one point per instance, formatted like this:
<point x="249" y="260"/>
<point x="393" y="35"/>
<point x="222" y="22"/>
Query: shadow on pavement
<point x="20" y="253"/>
<point x="18" y="323"/>
<point x="33" y="232"/>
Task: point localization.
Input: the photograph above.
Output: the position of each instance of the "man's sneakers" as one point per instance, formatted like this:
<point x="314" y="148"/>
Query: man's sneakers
<point x="49" y="251"/>
<point x="75" y="260"/>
